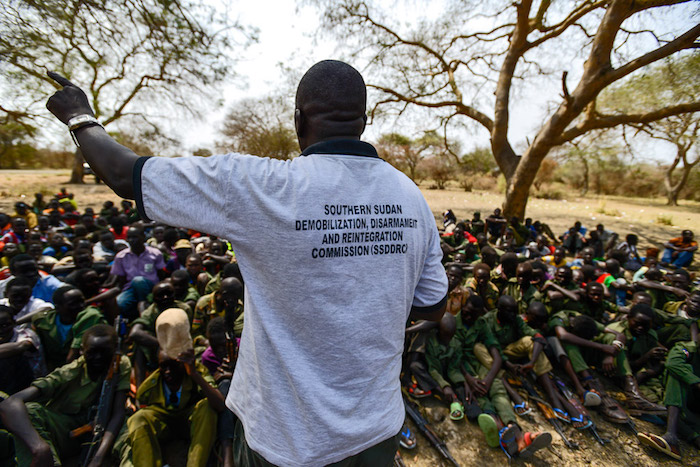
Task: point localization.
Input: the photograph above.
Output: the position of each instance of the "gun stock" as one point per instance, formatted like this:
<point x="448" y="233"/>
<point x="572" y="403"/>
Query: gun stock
<point x="425" y="428"/>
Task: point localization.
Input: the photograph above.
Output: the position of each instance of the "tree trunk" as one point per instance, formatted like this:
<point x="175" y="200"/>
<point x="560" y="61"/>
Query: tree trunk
<point x="584" y="189"/>
<point x="76" y="175"/>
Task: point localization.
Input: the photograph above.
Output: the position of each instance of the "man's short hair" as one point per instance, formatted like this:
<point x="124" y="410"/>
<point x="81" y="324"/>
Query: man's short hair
<point x="19" y="258"/>
<point x="216" y="326"/>
<point x="584" y="327"/>
<point x="475" y="301"/>
<point x="16" y="282"/>
<point x="641" y="309"/>
<point x="335" y="90"/>
<point x="60" y="293"/>
<point x="100" y="330"/>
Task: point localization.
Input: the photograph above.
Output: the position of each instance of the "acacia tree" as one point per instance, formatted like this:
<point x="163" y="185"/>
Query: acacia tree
<point x="456" y="62"/>
<point x="260" y="126"/>
<point x="672" y="81"/>
<point x="406" y="154"/>
<point x="137" y="60"/>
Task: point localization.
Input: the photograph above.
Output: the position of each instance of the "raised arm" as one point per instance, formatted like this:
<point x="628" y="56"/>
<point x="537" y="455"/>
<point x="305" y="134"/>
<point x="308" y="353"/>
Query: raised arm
<point x="112" y="162"/>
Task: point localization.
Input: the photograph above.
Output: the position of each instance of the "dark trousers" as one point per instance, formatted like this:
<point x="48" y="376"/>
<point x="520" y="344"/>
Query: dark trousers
<point x="379" y="455"/>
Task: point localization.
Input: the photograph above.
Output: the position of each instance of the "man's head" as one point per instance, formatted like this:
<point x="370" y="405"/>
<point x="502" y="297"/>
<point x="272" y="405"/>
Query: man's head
<point x="158" y="233"/>
<point x="594" y="292"/>
<point x="107" y="240"/>
<point x="632" y="239"/>
<point x="523" y="274"/>
<point x="489" y="256"/>
<point x="98" y="346"/>
<point x="193" y="264"/>
<point x="69" y="301"/>
<point x="7" y="324"/>
<point x="82" y="258"/>
<point x="692" y="304"/>
<point x="584" y="327"/>
<point x="231" y="291"/>
<point x="687" y="236"/>
<point x="542" y="242"/>
<point x="509" y="264"/>
<point x="454" y="277"/>
<point x="182" y="248"/>
<point x="180" y="281"/>
<point x="21" y="208"/>
<point x="172" y="371"/>
<point x="136" y="240"/>
<point x="88" y="281"/>
<point x="163" y="295"/>
<point x="216" y="333"/>
<point x="19" y="225"/>
<point x="482" y="274"/>
<point x="536" y="315"/>
<point x="10" y="251"/>
<point x="563" y="275"/>
<point x="330" y="103"/>
<point x="587" y="255"/>
<point x="447" y="328"/>
<point x="25" y="266"/>
<point x="639" y="319"/>
<point x="612" y="266"/>
<point x="680" y="279"/>
<point x="559" y="255"/>
<point x="18" y="292"/>
<point x="507" y="309"/>
<point x="472" y="309"/>
<point x="641" y="297"/>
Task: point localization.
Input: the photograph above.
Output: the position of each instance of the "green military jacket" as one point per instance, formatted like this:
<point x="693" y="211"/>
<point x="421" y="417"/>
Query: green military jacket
<point x="206" y="310"/>
<point x="150" y="315"/>
<point x="491" y="295"/>
<point x="683" y="363"/>
<point x="69" y="390"/>
<point x="190" y="295"/>
<point x="44" y="324"/>
<point x="636" y="346"/>
<point x="501" y="336"/>
<point x="468" y="337"/>
<point x="563" y="319"/>
<point x="152" y="394"/>
<point x="563" y="303"/>
<point x="444" y="360"/>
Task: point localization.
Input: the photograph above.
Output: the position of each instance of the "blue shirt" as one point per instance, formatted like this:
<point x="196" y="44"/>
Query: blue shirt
<point x="45" y="287"/>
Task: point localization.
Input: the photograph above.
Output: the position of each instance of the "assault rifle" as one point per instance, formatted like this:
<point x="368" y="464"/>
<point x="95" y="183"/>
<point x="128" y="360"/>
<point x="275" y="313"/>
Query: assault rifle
<point x="582" y="410"/>
<point x="425" y="428"/>
<point x="103" y="410"/>
<point x="231" y="349"/>
<point x="547" y="411"/>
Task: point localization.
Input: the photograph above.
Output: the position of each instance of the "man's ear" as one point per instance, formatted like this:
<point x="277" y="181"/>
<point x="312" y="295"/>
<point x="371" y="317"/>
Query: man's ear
<point x="364" y="123"/>
<point x="299" y="122"/>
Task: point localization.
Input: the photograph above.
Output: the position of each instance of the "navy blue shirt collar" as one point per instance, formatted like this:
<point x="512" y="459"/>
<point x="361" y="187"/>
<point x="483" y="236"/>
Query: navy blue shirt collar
<point x="351" y="147"/>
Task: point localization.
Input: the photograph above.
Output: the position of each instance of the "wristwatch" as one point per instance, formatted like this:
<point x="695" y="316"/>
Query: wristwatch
<point x="81" y="121"/>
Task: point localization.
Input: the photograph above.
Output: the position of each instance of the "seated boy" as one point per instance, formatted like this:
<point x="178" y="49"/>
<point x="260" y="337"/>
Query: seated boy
<point x="21" y="359"/>
<point x="180" y="398"/>
<point x="61" y="330"/>
<point x="42" y="416"/>
<point x="681" y="400"/>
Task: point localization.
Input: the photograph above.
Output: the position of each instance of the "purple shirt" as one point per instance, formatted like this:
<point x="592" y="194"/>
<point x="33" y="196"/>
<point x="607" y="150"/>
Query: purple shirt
<point x="131" y="265"/>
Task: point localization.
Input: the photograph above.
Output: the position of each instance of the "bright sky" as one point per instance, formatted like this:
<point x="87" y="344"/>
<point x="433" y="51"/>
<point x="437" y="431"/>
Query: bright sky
<point x="286" y="36"/>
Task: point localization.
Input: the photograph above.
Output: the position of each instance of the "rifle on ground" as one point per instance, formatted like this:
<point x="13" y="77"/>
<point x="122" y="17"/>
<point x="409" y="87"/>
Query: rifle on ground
<point x="231" y="349"/>
<point x="581" y="408"/>
<point x="547" y="411"/>
<point x="103" y="410"/>
<point x="425" y="428"/>
<point x="398" y="460"/>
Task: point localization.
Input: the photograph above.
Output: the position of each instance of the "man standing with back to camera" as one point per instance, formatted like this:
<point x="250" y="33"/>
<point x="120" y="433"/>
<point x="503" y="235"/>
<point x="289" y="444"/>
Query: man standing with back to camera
<point x="317" y="380"/>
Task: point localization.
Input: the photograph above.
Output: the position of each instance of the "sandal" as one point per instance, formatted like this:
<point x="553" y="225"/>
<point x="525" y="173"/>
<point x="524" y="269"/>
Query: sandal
<point x="561" y="415"/>
<point x="522" y="409"/>
<point x="418" y="393"/>
<point x="585" y="421"/>
<point x="407" y="439"/>
<point x="591" y="398"/>
<point x="456" y="411"/>
<point x="534" y="442"/>
<point x="489" y="428"/>
<point x="660" y="444"/>
<point x="507" y="440"/>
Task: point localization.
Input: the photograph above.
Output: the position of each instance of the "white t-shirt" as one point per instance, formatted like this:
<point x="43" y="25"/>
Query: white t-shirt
<point x="335" y="250"/>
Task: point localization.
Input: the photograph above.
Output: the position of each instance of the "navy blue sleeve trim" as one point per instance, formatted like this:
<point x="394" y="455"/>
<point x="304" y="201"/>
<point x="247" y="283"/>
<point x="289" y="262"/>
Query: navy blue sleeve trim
<point x="136" y="180"/>
<point x="431" y="308"/>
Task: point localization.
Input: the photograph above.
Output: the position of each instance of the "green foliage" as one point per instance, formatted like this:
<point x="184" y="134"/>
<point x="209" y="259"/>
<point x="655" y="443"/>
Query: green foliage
<point x="133" y="58"/>
<point x="664" y="219"/>
<point x="478" y="161"/>
<point x="262" y="127"/>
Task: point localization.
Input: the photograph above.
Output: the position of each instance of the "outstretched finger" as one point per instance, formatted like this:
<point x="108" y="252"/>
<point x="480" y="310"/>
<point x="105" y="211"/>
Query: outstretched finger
<point x="59" y="79"/>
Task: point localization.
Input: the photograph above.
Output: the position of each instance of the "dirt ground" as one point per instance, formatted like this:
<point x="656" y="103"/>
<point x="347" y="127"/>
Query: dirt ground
<point x="465" y="441"/>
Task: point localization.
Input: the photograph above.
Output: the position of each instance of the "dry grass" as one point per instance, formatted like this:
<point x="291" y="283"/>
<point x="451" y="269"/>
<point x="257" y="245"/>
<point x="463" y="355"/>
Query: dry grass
<point x="623" y="215"/>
